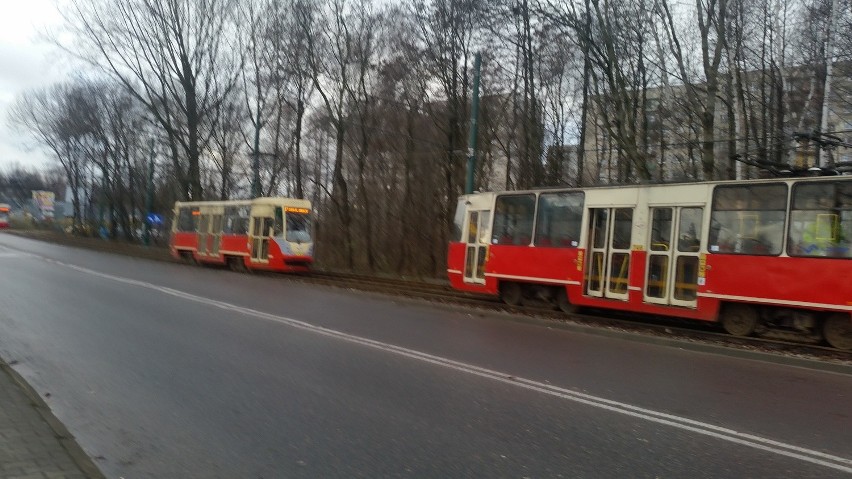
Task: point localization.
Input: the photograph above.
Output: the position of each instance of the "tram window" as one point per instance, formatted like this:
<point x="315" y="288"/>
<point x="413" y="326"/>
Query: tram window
<point x="458" y="220"/>
<point x="559" y="219"/>
<point x="599" y="228"/>
<point x="661" y="229"/>
<point x="236" y="220"/>
<point x="821" y="220"/>
<point x="186" y="220"/>
<point x="241" y="226"/>
<point x="748" y="219"/>
<point x="689" y="236"/>
<point x="513" y="219"/>
<point x="278" y="226"/>
<point x="622" y="228"/>
<point x="484" y="220"/>
<point x="472" y="226"/>
<point x="298" y="227"/>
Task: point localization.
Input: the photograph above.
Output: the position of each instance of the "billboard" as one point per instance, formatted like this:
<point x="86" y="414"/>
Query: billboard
<point x="44" y="201"/>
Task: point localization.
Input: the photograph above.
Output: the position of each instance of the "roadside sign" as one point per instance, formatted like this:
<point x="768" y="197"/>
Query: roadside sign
<point x="154" y="219"/>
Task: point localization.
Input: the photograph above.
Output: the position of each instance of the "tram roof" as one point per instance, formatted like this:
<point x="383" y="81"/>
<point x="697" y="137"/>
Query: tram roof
<point x="553" y="189"/>
<point x="273" y="200"/>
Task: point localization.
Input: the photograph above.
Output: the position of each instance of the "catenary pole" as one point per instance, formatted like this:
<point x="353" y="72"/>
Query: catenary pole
<point x="474" y="114"/>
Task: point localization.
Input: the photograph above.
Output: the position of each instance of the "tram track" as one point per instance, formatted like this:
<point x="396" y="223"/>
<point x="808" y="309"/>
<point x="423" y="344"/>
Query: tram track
<point x="774" y="342"/>
<point x="441" y="293"/>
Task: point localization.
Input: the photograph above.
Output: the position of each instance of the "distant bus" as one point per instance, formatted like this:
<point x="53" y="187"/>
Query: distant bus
<point x="272" y="234"/>
<point x="4" y="215"/>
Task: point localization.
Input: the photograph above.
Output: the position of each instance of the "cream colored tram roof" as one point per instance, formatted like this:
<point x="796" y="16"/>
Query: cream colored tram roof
<point x="663" y="187"/>
<point x="282" y="201"/>
<point x="273" y="201"/>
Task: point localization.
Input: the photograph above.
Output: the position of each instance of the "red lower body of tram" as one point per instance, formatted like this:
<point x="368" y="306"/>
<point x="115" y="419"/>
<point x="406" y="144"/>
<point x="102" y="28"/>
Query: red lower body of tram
<point x="801" y="291"/>
<point x="239" y="252"/>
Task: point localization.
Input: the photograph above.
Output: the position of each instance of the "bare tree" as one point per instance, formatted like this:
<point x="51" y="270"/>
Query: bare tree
<point x="332" y="49"/>
<point x="53" y="117"/>
<point x="713" y="21"/>
<point x="226" y="142"/>
<point x="614" y="45"/>
<point x="447" y="29"/>
<point x="176" y="56"/>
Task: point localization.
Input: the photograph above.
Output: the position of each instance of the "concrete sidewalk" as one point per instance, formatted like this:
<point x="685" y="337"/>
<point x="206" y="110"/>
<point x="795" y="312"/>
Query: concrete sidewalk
<point x="33" y="443"/>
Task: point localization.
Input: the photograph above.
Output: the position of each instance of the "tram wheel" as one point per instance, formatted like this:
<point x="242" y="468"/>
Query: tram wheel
<point x="837" y="330"/>
<point x="511" y="293"/>
<point x="237" y="264"/>
<point x="188" y="258"/>
<point x="739" y="319"/>
<point x="564" y="304"/>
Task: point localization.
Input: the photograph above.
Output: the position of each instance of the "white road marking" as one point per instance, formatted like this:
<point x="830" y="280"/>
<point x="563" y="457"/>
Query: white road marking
<point x="723" y="433"/>
<point x="13" y="253"/>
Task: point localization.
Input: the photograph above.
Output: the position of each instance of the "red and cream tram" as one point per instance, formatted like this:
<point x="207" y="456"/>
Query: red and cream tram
<point x="272" y="234"/>
<point x="749" y="254"/>
<point x="4" y="215"/>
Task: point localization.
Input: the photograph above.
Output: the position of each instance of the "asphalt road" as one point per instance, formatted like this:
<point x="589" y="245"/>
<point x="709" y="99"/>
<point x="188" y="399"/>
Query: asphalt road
<point x="163" y="370"/>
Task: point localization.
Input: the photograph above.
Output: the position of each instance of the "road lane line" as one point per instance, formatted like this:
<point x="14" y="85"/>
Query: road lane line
<point x="6" y="252"/>
<point x="719" y="432"/>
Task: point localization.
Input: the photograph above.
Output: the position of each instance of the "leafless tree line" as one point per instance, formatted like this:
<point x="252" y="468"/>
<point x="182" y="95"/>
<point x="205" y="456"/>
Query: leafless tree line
<point x="363" y="106"/>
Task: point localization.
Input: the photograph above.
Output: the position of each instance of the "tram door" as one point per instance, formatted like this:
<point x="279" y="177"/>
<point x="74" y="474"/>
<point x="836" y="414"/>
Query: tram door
<point x="261" y="227"/>
<point x="673" y="256"/>
<point x="476" y="252"/>
<point x="608" y="268"/>
<point x="203" y="227"/>
<point x="215" y="234"/>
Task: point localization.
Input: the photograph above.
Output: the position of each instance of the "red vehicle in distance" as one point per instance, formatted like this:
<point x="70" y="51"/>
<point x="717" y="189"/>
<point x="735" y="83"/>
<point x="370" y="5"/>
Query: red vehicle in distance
<point x="271" y="234"/>
<point x="4" y="215"/>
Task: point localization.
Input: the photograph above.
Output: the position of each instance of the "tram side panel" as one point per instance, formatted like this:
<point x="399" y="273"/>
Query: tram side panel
<point x="533" y="264"/>
<point x="766" y="250"/>
<point x="810" y="283"/>
<point x="235" y="245"/>
<point x="184" y="242"/>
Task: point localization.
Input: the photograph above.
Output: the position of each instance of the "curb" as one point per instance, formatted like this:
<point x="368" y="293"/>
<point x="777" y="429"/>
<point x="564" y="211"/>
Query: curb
<point x="62" y="434"/>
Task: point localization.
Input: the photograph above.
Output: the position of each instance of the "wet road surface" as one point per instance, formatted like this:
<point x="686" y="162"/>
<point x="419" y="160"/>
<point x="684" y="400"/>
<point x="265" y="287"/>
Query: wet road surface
<point x="164" y="370"/>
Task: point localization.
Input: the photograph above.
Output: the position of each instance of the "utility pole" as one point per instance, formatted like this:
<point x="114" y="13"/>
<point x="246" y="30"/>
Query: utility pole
<point x="474" y="115"/>
<point x="825" y="157"/>
<point x="149" y="197"/>
<point x="255" y="162"/>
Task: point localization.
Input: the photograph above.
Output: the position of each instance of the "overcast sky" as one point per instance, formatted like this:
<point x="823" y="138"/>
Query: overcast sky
<point x="26" y="62"/>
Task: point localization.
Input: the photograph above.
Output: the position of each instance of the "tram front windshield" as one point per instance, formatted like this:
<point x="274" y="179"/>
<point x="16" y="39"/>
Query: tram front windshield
<point x="298" y="228"/>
